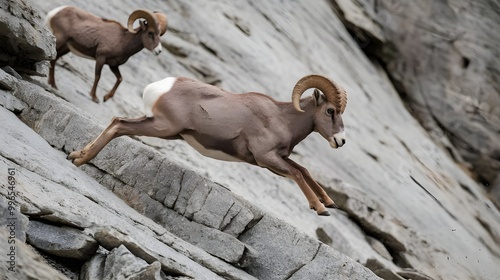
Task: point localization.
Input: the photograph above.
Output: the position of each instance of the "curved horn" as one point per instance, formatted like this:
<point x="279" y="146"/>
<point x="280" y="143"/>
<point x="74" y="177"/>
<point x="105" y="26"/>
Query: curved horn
<point x="334" y="93"/>
<point x="161" y="19"/>
<point x="145" y="14"/>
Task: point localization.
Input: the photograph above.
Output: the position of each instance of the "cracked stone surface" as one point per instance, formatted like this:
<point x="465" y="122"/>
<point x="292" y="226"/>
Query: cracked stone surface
<point x="61" y="241"/>
<point x="397" y="189"/>
<point x="231" y="248"/>
<point x="121" y="264"/>
<point x="457" y="48"/>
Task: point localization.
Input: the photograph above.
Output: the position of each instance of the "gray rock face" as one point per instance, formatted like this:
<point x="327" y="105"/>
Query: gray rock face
<point x="406" y="209"/>
<point x="292" y="255"/>
<point x="24" y="41"/>
<point x="93" y="268"/>
<point x="443" y="58"/>
<point x="26" y="265"/>
<point x="121" y="264"/>
<point x="79" y="201"/>
<point x="61" y="241"/>
<point x="212" y="239"/>
<point x="12" y="220"/>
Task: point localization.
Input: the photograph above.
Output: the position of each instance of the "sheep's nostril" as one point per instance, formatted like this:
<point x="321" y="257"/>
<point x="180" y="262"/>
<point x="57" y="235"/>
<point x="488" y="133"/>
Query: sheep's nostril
<point x="343" y="141"/>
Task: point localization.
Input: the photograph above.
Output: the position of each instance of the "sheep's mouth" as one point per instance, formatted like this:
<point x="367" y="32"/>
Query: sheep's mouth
<point x="334" y="144"/>
<point x="157" y="49"/>
<point x="337" y="140"/>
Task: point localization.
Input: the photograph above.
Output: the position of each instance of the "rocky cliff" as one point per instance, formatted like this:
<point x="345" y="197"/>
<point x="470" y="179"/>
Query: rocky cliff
<point x="153" y="209"/>
<point x="442" y="58"/>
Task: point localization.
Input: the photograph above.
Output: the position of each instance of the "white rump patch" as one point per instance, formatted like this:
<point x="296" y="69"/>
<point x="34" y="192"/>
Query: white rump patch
<point x="51" y="14"/>
<point x="154" y="91"/>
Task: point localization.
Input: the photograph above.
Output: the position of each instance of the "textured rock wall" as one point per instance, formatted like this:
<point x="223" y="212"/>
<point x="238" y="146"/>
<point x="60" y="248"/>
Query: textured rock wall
<point x="406" y="209"/>
<point x="442" y="56"/>
<point x="31" y="48"/>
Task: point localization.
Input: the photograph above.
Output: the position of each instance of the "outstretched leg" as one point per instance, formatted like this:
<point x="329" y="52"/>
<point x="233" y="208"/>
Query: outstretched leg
<point x="115" y="71"/>
<point x="318" y="190"/>
<point x="281" y="166"/>
<point x="142" y="126"/>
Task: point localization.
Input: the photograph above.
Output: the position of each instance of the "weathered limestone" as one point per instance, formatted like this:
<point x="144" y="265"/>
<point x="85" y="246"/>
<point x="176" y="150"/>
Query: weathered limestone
<point x="12" y="220"/>
<point x="442" y="56"/>
<point x="28" y="264"/>
<point x="61" y="241"/>
<point x="93" y="268"/>
<point x="301" y="256"/>
<point x="404" y="202"/>
<point x="121" y="264"/>
<point x="214" y="240"/>
<point x="32" y="46"/>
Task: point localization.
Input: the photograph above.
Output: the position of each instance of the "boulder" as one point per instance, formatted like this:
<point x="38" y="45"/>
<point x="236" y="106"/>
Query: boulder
<point x="26" y="263"/>
<point x="25" y="41"/>
<point x="121" y="264"/>
<point x="93" y="269"/>
<point x="61" y="241"/>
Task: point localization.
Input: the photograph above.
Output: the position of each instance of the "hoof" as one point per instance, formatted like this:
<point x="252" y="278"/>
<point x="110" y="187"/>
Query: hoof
<point x="78" y="162"/>
<point x="73" y="155"/>
<point x="76" y="158"/>
<point x="324" y="213"/>
<point x="95" y="100"/>
<point x="332" y="205"/>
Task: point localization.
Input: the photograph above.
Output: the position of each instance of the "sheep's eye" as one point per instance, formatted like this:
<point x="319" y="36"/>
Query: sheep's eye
<point x="330" y="111"/>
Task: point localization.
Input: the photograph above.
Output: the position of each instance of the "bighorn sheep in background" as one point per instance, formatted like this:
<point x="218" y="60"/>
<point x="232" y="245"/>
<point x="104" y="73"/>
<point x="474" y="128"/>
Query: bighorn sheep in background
<point x="105" y="41"/>
<point x="250" y="127"/>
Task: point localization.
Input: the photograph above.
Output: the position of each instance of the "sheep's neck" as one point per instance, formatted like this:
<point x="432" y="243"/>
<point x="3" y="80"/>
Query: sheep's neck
<point x="133" y="43"/>
<point x="300" y="124"/>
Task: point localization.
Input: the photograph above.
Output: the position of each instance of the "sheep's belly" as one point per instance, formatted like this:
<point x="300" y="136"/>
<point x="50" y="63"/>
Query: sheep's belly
<point x="216" y="154"/>
<point x="76" y="52"/>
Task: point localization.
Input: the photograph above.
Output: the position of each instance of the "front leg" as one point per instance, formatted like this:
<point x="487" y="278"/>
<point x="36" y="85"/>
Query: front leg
<point x="118" y="76"/>
<point x="280" y="166"/>
<point x="318" y="190"/>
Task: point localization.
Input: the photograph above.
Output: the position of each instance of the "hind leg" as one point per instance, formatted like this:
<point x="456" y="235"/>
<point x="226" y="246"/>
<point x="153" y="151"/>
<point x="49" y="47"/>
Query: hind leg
<point x="61" y="50"/>
<point x="142" y="126"/>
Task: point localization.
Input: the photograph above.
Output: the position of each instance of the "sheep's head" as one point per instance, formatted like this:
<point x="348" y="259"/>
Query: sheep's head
<point x="151" y="28"/>
<point x="329" y="107"/>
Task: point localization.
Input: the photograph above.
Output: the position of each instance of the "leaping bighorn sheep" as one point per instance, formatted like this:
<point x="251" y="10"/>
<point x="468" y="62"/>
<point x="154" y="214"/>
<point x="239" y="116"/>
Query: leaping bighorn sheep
<point x="250" y="127"/>
<point x="105" y="41"/>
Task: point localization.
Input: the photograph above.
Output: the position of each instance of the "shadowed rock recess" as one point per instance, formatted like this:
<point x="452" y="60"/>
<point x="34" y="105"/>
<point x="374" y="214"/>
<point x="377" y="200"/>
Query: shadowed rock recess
<point x="148" y="208"/>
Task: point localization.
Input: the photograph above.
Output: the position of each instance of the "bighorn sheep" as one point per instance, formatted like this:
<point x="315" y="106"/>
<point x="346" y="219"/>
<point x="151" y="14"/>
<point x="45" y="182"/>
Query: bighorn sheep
<point x="250" y="127"/>
<point x="105" y="41"/>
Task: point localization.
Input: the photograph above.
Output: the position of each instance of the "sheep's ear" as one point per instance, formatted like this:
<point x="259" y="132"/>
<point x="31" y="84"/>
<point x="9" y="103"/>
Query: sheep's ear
<point x="143" y="24"/>
<point x="318" y="99"/>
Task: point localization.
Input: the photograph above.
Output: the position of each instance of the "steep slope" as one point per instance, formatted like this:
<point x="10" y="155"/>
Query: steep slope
<point x="404" y="202"/>
<point x="443" y="58"/>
